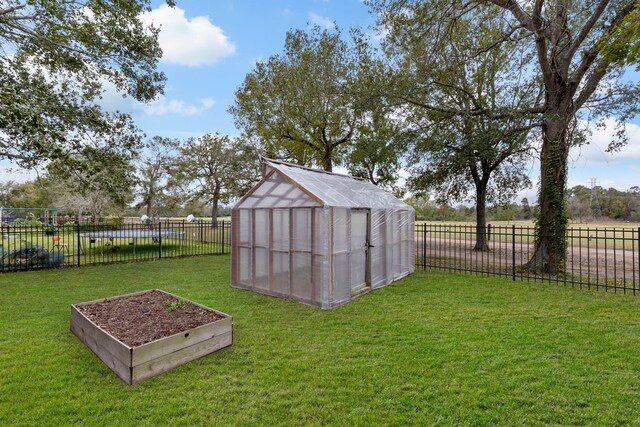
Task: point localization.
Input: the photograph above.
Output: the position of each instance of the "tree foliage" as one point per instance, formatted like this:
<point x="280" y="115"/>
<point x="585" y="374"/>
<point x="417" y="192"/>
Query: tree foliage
<point x="100" y="183"/>
<point x="456" y="153"/>
<point x="579" y="52"/>
<point x="215" y="168"/>
<point x="153" y="173"/>
<point x="301" y="104"/>
<point x="55" y="58"/>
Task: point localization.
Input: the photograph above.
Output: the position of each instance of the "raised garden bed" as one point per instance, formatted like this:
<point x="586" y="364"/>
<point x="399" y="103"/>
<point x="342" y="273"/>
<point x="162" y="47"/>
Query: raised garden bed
<point x="144" y="334"/>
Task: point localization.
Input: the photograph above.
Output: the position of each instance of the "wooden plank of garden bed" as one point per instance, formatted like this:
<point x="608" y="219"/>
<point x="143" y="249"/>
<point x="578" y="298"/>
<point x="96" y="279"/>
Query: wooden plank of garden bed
<point x="112" y="352"/>
<point x="163" y="346"/>
<point x="165" y="363"/>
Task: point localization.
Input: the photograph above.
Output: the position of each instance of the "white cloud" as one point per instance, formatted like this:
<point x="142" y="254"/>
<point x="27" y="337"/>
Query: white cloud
<point x="112" y="100"/>
<point x="595" y="151"/>
<point x="163" y="106"/>
<point x="11" y="172"/>
<point x="188" y="41"/>
<point x="321" y="21"/>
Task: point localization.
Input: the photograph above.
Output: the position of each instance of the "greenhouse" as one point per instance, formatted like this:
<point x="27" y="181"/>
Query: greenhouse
<point x="319" y="238"/>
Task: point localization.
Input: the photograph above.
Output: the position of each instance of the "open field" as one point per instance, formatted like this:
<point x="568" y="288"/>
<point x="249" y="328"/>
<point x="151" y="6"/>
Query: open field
<point x="601" y="257"/>
<point x="434" y="348"/>
<point x="530" y="223"/>
<point x="608" y="234"/>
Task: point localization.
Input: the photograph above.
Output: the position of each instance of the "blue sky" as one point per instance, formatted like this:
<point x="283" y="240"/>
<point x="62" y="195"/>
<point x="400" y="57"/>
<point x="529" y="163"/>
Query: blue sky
<point x="209" y="47"/>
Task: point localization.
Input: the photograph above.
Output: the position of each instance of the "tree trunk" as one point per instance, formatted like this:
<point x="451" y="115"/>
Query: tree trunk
<point x="481" y="216"/>
<point x="214" y="211"/>
<point x="327" y="160"/>
<point x="551" y="245"/>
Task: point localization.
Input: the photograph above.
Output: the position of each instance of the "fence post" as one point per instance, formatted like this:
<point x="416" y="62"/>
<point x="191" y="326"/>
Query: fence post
<point x="424" y="246"/>
<point x="79" y="242"/>
<point x="638" y="255"/>
<point x="223" y="223"/>
<point x="159" y="239"/>
<point x="513" y="252"/>
<point x="488" y="232"/>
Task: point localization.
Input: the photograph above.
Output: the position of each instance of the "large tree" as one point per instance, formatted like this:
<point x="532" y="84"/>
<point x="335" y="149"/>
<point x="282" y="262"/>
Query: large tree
<point x="301" y="104"/>
<point x="379" y="149"/>
<point x="456" y="154"/>
<point x="450" y="159"/>
<point x="98" y="182"/>
<point x="153" y="172"/>
<point x="215" y="168"/>
<point x="55" y="58"/>
<point x="580" y="50"/>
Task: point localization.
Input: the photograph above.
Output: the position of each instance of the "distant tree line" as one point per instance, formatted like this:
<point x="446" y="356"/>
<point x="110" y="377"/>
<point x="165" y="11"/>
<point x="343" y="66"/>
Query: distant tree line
<point x="584" y="205"/>
<point x="170" y="177"/>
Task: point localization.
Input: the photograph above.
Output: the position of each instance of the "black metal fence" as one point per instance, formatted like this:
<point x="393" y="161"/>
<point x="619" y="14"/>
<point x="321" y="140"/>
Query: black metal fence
<point x="29" y="246"/>
<point x="601" y="258"/>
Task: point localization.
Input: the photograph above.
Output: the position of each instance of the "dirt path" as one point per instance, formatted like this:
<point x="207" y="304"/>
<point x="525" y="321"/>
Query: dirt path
<point x="586" y="263"/>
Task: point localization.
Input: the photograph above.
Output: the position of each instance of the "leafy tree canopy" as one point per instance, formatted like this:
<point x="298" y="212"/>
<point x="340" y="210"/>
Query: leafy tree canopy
<point x="301" y="104"/>
<point x="580" y="51"/>
<point x="55" y="57"/>
<point x="215" y="168"/>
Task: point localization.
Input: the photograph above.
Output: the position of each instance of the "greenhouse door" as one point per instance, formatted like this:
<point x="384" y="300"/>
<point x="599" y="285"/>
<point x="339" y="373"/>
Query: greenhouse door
<point x="359" y="254"/>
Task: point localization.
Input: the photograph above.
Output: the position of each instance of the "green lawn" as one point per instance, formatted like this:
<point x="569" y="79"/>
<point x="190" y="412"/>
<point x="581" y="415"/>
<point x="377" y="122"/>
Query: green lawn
<point x="431" y="349"/>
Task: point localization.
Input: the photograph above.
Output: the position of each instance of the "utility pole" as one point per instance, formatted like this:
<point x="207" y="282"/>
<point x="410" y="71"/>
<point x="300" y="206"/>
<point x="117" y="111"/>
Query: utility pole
<point x="595" y="204"/>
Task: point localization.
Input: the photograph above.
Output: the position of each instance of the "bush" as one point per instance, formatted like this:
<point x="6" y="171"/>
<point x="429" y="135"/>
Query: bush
<point x="29" y="221"/>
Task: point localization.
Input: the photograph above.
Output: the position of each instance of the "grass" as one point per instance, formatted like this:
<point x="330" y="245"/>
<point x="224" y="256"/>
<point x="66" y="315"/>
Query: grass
<point x="433" y="348"/>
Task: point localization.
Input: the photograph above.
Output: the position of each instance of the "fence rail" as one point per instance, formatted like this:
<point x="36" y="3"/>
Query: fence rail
<point x="601" y="258"/>
<point x="78" y="244"/>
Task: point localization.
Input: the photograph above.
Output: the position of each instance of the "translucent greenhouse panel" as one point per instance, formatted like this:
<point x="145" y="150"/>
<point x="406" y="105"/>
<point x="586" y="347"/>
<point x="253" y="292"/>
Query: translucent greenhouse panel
<point x="245" y="266"/>
<point x="261" y="227"/>
<point x="280" y="274"/>
<point x="301" y="280"/>
<point x="404" y="225"/>
<point x="341" y="282"/>
<point x="262" y="268"/>
<point x="301" y="239"/>
<point x="320" y="279"/>
<point x="340" y="190"/>
<point x="395" y="244"/>
<point x="358" y="229"/>
<point x="397" y="260"/>
<point x="378" y="267"/>
<point x="407" y="242"/>
<point x="378" y="250"/>
<point x="280" y="230"/>
<point x="412" y="242"/>
<point x="340" y="230"/>
<point x="276" y="192"/>
<point x="244" y="227"/>
<point x="358" y="261"/>
<point x="319" y="233"/>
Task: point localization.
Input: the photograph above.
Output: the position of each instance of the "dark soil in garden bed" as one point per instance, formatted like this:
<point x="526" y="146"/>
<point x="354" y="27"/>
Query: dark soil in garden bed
<point x="139" y="319"/>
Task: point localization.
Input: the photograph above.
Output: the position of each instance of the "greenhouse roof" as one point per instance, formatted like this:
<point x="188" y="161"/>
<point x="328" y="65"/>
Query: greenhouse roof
<point x="288" y="185"/>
